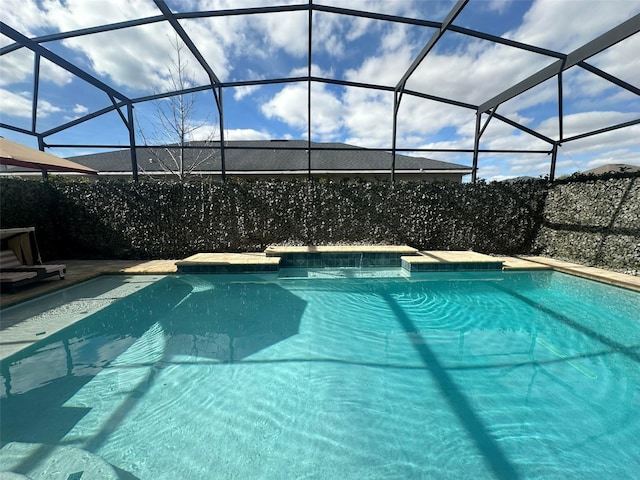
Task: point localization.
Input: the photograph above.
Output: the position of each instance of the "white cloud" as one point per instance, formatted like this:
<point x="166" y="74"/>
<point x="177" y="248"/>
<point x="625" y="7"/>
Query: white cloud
<point x="425" y="117"/>
<point x="327" y="36"/>
<point x="406" y="8"/>
<point x="499" y="6"/>
<point x="25" y="16"/>
<point x="20" y="105"/>
<point x="490" y="172"/>
<point x="618" y="146"/>
<point x="606" y="142"/>
<point x="621" y="60"/>
<point x="80" y="109"/>
<point x="77" y="111"/>
<point x="266" y="36"/>
<point x="478" y="70"/>
<point x="623" y="155"/>
<point x="385" y="69"/>
<point x="212" y="45"/>
<point x="204" y="132"/>
<point x="17" y="67"/>
<point x="501" y="166"/>
<point x="545" y="93"/>
<point x="211" y="131"/>
<point x="565" y="26"/>
<point x="15" y="105"/>
<point x="246" y="134"/>
<point x="46" y="108"/>
<point x="286" y="31"/>
<point x="368" y="116"/>
<point x="116" y="56"/>
<point x="51" y="72"/>
<point x="465" y="143"/>
<point x="475" y="75"/>
<point x="240" y="92"/>
<point x="289" y="106"/>
<point x="585" y="122"/>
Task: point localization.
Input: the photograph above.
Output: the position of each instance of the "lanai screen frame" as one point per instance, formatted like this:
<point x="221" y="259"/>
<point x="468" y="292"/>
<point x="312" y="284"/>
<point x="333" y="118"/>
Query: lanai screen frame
<point x="120" y="102"/>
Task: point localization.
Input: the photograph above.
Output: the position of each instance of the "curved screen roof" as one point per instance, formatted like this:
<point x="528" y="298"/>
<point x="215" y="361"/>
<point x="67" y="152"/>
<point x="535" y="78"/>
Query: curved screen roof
<point x="509" y="88"/>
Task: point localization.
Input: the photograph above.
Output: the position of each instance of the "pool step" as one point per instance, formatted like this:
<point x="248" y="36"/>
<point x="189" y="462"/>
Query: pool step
<point x="341" y="256"/>
<point x="399" y="256"/>
<point x="450" y="261"/>
<point x="228" y="263"/>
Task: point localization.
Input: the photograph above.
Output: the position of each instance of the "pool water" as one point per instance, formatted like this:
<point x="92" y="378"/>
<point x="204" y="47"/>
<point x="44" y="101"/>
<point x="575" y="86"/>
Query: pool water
<point x="519" y="375"/>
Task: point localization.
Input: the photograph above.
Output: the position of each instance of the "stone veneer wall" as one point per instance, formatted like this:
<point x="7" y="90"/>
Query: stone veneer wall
<point x="594" y="222"/>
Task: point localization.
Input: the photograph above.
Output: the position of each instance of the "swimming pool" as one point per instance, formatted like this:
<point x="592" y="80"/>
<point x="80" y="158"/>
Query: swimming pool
<point x="450" y="375"/>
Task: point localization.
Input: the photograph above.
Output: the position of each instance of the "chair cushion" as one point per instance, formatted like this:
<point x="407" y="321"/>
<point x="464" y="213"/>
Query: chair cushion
<point x="8" y="259"/>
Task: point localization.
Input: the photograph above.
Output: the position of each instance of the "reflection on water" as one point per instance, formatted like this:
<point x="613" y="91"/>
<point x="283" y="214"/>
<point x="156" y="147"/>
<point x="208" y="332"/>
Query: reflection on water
<point x="511" y="376"/>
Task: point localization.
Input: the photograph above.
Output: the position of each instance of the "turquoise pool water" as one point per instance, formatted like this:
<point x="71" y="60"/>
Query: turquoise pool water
<point x="441" y="376"/>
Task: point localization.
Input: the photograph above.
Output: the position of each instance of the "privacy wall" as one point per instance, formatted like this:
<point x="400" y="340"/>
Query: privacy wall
<point x="594" y="222"/>
<point x="111" y="219"/>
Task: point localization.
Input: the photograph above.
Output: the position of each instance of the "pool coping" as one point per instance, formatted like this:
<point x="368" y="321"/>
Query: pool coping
<point x="82" y="270"/>
<point x="630" y="282"/>
<point x="338" y="249"/>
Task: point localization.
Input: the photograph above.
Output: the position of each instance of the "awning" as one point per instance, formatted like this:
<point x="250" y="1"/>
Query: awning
<point x="12" y="153"/>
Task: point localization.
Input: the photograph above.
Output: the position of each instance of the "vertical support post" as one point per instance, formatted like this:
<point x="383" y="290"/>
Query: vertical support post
<point x="219" y="102"/>
<point x="132" y="142"/>
<point x="36" y="87"/>
<point x="560" y="109"/>
<point x="397" y="98"/>
<point x="554" y="157"/>
<point x="310" y="38"/>
<point x="45" y="174"/>
<point x="309" y="130"/>
<point x="554" y="151"/>
<point x="476" y="147"/>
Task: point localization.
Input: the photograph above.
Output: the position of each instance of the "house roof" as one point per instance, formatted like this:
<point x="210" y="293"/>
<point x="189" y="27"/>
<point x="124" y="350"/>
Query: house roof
<point x="268" y="156"/>
<point x="613" y="168"/>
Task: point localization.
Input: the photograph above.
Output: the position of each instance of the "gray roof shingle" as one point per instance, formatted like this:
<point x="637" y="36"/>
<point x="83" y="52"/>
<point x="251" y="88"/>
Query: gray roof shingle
<point x="266" y="156"/>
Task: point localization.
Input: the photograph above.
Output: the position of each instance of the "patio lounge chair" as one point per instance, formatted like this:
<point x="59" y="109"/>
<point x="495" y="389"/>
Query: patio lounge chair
<point x="12" y="280"/>
<point x="9" y="263"/>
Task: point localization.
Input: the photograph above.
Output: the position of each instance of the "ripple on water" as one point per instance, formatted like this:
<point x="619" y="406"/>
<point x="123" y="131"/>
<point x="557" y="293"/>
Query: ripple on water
<point x="374" y="380"/>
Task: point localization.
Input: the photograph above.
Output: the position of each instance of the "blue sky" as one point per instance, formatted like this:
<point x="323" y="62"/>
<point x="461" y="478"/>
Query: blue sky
<point x="135" y="62"/>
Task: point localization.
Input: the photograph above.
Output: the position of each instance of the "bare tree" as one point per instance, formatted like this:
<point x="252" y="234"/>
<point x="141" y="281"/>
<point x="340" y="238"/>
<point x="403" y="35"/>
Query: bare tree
<point x="175" y="123"/>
